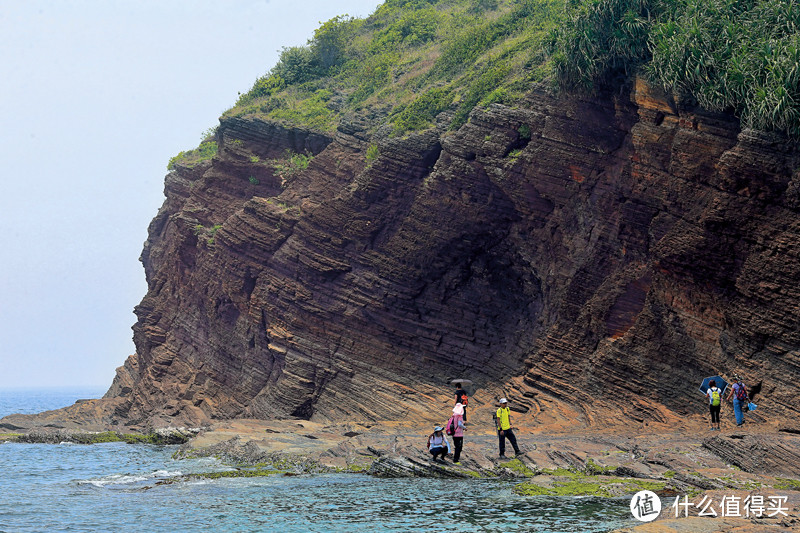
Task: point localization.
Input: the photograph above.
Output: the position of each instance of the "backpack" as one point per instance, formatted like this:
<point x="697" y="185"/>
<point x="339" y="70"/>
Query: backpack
<point x="715" y="396"/>
<point x="462" y="398"/>
<point x="741" y="392"/>
<point x="450" y="429"/>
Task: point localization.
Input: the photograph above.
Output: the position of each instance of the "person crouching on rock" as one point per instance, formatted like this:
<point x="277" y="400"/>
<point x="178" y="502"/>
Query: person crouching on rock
<point x="438" y="444"/>
<point x="504" y="429"/>
<point x="715" y="403"/>
<point x="455" y="427"/>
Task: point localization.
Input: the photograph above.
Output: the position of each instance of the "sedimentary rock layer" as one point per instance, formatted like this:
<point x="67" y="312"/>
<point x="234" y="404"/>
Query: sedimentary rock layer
<point x="597" y="257"/>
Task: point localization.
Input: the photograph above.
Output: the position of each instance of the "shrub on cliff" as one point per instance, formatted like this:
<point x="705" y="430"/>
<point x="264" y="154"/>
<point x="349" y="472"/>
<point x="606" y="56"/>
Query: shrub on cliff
<point x="301" y="64"/>
<point x="603" y="43"/>
<point x="297" y="65"/>
<point x="740" y="56"/>
<point x="287" y="167"/>
<point x="329" y="45"/>
<point x="190" y="158"/>
<point x="423" y="110"/>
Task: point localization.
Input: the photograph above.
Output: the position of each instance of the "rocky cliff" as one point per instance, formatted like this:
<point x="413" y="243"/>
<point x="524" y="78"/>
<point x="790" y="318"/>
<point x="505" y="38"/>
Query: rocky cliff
<point x="592" y="260"/>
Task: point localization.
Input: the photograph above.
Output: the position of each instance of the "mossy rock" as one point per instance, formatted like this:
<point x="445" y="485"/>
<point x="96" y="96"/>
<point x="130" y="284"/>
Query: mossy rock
<point x="571" y="487"/>
<point x="593" y="468"/>
<point x="787" y="484"/>
<point x="473" y="473"/>
<point x="128" y="438"/>
<point x="653" y="486"/>
<point x="256" y="472"/>
<point x="95" y="438"/>
<point x="561" y="472"/>
<point x="356" y="468"/>
<point x="577" y="485"/>
<point x="518" y="467"/>
<point x="191" y="158"/>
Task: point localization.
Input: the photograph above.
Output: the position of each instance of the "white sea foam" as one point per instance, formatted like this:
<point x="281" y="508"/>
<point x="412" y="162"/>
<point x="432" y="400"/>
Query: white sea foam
<point x="128" y="479"/>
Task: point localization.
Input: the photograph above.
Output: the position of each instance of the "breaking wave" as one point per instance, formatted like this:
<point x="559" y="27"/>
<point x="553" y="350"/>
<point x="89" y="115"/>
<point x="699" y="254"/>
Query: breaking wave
<point x="131" y="479"/>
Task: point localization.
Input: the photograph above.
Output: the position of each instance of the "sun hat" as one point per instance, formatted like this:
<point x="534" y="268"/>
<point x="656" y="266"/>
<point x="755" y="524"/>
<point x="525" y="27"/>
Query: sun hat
<point x="458" y="409"/>
<point x="438" y="428"/>
<point x="503" y="400"/>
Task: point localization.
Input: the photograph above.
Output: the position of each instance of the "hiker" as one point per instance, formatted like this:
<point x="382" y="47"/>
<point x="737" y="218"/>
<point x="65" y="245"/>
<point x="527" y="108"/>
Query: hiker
<point x="455" y="427"/>
<point x="438" y="444"/>
<point x="461" y="397"/>
<point x="504" y="429"/>
<point x="738" y="394"/>
<point x="714" y="402"/>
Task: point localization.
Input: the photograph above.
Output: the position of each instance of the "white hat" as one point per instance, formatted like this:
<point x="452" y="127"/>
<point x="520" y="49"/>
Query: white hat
<point x="503" y="400"/>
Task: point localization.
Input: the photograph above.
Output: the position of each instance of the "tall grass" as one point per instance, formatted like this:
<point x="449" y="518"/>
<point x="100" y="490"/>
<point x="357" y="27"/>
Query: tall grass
<point x="412" y="59"/>
<point x="741" y="56"/>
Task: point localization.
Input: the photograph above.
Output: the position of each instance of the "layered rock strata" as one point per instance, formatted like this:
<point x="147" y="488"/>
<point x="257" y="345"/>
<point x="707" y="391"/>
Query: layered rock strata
<point x="591" y="260"/>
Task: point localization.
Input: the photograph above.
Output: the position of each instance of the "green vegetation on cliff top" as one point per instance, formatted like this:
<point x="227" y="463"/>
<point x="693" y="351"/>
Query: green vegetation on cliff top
<point x="413" y="59"/>
<point x="409" y="61"/>
<point x="741" y="56"/>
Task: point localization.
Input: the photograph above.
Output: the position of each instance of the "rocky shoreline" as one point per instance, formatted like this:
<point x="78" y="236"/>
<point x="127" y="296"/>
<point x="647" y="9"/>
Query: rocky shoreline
<point x="161" y="436"/>
<point x="697" y="465"/>
<point x="610" y="463"/>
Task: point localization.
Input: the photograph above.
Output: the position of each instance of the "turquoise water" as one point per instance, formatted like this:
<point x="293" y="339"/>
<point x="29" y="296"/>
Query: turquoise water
<point x="119" y="487"/>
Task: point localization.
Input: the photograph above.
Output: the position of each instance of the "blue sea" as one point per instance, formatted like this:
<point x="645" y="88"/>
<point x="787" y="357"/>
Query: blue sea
<point x="120" y="487"/>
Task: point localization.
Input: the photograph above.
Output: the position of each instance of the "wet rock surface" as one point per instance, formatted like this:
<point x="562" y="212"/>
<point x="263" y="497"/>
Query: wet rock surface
<point x="690" y="462"/>
<point x="674" y="464"/>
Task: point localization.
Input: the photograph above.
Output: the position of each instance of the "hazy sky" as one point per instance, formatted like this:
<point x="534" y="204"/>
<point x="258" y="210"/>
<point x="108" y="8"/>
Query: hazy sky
<point x="95" y="97"/>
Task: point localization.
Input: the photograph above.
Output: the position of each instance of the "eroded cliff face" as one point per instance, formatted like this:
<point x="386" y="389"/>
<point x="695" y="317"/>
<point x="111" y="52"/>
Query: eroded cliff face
<point x="583" y="258"/>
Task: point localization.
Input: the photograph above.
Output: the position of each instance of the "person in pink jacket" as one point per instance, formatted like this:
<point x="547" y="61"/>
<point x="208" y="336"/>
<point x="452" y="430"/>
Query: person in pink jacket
<point x="457" y="423"/>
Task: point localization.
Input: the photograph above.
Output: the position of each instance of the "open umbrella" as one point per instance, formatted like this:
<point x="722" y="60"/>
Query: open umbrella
<point x="462" y="381"/>
<point x="721" y="384"/>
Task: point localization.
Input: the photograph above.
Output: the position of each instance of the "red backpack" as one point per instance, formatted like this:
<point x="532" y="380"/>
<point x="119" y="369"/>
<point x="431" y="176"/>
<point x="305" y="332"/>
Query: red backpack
<point x="450" y="428"/>
<point x="462" y="399"/>
<point x="741" y="391"/>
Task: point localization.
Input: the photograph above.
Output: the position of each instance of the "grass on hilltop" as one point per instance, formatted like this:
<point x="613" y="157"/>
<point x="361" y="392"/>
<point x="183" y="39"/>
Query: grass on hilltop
<point x="411" y="60"/>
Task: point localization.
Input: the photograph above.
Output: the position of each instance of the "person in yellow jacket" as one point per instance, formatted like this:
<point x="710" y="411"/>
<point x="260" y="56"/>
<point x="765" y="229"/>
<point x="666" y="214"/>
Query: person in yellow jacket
<point x="504" y="429"/>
